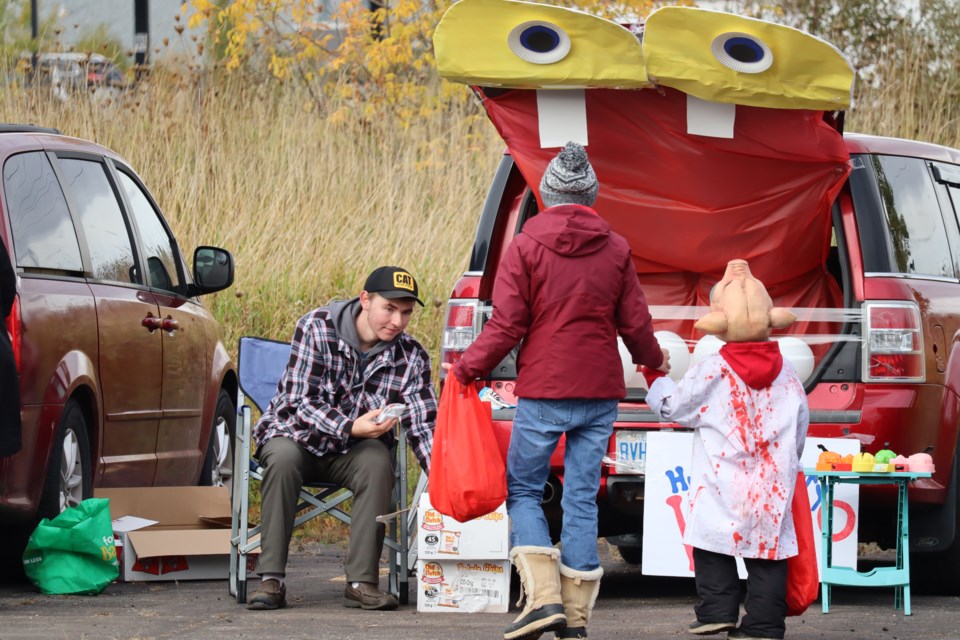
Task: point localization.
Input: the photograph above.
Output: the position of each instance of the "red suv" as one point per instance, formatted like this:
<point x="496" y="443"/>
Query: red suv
<point x="123" y="378"/>
<point x="858" y="234"/>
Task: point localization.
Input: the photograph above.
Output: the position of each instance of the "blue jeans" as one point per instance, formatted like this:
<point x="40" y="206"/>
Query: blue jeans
<point x="537" y="428"/>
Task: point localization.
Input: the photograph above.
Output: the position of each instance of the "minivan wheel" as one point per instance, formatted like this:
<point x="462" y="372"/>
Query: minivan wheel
<point x="69" y="474"/>
<point x="218" y="463"/>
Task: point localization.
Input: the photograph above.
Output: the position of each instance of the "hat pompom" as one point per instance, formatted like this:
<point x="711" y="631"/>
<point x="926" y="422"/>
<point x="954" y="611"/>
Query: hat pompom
<point x="573" y="158"/>
<point x="569" y="178"/>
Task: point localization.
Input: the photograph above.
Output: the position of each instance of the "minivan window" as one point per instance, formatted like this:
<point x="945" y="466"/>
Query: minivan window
<point x="102" y="221"/>
<point x="43" y="233"/>
<point x="916" y="226"/>
<point x="157" y="245"/>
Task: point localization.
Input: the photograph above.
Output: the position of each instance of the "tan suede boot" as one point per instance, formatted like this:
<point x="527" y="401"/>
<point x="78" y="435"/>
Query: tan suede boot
<point x="579" y="591"/>
<point x="540" y="580"/>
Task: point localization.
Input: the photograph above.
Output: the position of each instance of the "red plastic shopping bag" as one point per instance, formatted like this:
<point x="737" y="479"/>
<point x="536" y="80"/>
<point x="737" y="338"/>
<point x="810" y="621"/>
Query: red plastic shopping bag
<point x="467" y="475"/>
<point x="803" y="582"/>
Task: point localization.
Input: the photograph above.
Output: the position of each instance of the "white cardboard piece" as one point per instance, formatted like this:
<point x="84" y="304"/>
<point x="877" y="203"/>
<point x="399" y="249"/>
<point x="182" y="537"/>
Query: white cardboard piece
<point x="125" y="524"/>
<point x="562" y="116"/>
<point x="440" y="537"/>
<point x="665" y="505"/>
<point x="711" y="119"/>
<point x="463" y="586"/>
<point x="188" y="538"/>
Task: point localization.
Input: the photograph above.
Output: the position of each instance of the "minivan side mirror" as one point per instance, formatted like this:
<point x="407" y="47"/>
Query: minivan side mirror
<point x="212" y="270"/>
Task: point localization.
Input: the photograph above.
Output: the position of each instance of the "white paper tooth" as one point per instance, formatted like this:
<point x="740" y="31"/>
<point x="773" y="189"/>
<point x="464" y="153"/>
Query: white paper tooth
<point x="562" y="116"/>
<point x="713" y="119"/>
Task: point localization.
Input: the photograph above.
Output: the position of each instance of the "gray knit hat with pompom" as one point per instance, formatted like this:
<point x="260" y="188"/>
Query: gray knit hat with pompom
<point x="569" y="178"/>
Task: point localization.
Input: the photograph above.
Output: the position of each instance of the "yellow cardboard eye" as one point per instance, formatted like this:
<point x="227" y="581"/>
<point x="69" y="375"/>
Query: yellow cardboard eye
<point x="722" y="57"/>
<point x="539" y="42"/>
<point x="505" y="43"/>
<point x="742" y="52"/>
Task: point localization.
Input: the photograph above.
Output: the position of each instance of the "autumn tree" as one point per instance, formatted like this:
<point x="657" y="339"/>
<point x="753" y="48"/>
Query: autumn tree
<point x="378" y="54"/>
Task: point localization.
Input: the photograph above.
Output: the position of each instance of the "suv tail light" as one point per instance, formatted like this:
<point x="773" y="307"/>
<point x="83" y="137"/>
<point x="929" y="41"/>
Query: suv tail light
<point x="893" y="342"/>
<point x="15" y="329"/>
<point x="459" y="330"/>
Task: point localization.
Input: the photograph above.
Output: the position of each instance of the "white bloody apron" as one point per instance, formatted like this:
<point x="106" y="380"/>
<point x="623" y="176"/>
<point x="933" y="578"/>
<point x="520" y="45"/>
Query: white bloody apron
<point x="746" y="456"/>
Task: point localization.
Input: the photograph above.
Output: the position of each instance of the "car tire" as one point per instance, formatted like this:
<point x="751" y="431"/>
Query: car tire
<point x="631" y="555"/>
<point x="69" y="477"/>
<point x="218" y="463"/>
<point x="939" y="569"/>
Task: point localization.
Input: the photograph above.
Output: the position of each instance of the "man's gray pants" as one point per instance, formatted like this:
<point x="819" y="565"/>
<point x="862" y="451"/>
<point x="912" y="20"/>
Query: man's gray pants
<point x="367" y="470"/>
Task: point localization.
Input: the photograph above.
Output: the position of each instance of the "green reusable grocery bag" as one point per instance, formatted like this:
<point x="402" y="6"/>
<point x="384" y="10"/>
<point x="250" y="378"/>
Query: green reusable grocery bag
<point x="74" y="552"/>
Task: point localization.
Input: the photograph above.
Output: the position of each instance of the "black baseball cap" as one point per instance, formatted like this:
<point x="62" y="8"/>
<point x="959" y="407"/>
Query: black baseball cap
<point x="393" y="282"/>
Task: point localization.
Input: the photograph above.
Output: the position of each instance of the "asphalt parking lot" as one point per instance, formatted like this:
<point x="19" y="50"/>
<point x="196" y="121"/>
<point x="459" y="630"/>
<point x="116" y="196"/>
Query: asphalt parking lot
<point x="630" y="606"/>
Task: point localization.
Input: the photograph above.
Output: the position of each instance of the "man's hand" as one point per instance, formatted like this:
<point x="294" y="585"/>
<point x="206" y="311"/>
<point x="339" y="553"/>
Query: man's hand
<point x="365" y="427"/>
<point x="665" y="366"/>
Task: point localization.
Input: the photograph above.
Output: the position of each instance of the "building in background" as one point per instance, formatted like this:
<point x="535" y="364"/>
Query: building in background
<point x="147" y="30"/>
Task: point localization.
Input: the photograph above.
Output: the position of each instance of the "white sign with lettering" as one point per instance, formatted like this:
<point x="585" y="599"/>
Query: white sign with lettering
<point x="667" y="480"/>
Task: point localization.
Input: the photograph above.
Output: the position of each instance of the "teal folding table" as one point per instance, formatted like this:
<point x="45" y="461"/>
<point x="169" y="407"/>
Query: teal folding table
<point x="897" y="576"/>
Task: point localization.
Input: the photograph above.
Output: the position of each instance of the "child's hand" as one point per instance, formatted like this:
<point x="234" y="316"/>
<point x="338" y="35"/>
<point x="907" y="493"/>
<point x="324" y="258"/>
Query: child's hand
<point x="651" y="375"/>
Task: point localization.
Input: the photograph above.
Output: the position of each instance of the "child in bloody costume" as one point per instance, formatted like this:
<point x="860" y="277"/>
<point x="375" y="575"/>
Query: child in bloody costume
<point x="750" y="413"/>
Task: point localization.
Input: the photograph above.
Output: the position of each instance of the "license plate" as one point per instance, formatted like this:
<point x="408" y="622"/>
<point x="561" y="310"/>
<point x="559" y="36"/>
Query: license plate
<point x="631" y="452"/>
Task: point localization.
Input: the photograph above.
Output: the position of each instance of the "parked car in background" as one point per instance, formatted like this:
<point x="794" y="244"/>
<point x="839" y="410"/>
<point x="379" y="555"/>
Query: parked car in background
<point x="67" y="72"/>
<point x="102" y="72"/>
<point x="124" y="381"/>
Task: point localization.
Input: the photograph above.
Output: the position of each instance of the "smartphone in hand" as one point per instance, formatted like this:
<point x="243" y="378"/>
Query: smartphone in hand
<point x="390" y="411"/>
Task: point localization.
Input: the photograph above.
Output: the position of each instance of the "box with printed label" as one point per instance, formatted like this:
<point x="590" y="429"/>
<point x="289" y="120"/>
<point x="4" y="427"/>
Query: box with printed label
<point x="463" y="586"/>
<point x="171" y="533"/>
<point x="441" y="537"/>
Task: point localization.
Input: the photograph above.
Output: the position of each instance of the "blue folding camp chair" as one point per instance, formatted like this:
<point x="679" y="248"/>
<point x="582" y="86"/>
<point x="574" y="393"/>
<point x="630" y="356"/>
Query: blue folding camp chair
<point x="261" y="363"/>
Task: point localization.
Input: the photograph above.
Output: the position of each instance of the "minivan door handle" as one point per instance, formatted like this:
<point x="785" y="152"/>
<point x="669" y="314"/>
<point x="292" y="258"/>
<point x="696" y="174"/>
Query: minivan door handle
<point x="169" y="325"/>
<point x="151" y="323"/>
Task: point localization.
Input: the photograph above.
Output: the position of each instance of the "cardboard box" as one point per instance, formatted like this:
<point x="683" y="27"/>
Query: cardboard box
<point x="463" y="586"/>
<point x="440" y="537"/>
<point x="171" y="533"/>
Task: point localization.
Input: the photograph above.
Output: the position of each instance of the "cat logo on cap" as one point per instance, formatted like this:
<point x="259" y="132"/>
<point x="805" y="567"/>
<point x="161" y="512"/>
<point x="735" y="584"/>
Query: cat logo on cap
<point x="403" y="280"/>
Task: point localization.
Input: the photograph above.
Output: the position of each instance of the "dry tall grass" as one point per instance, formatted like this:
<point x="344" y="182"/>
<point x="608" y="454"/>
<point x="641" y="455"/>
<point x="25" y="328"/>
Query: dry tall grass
<point x="909" y="100"/>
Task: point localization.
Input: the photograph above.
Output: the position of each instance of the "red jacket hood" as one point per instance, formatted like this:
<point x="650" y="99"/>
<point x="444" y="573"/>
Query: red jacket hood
<point x="569" y="229"/>
<point x="757" y="363"/>
<point x="565" y="289"/>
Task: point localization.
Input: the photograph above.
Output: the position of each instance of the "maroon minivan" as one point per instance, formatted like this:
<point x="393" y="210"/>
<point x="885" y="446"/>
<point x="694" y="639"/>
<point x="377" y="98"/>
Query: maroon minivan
<point x="124" y="381"/>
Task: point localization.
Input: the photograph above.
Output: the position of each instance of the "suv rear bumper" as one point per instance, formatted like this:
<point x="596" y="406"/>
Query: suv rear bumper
<point x="908" y="417"/>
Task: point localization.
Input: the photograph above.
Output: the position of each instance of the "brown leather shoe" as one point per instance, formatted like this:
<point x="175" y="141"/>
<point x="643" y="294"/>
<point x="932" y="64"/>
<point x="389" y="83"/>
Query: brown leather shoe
<point x="369" y="597"/>
<point x="269" y="595"/>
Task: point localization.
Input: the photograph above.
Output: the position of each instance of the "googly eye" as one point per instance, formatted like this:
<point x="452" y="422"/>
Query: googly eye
<point x="742" y="52"/>
<point x="539" y="42"/>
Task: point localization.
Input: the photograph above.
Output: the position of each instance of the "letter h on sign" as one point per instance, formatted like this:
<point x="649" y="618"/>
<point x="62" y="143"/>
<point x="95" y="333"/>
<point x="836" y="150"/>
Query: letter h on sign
<point x="678" y="481"/>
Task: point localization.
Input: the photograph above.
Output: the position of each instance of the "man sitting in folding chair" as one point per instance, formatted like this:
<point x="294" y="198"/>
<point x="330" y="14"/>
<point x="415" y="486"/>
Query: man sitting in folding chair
<point x="348" y="361"/>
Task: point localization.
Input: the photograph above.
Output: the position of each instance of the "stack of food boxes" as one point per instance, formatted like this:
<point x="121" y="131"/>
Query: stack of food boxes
<point x="462" y="566"/>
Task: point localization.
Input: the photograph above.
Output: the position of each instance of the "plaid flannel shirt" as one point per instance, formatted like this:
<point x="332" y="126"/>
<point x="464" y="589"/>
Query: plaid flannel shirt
<point x="323" y="390"/>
